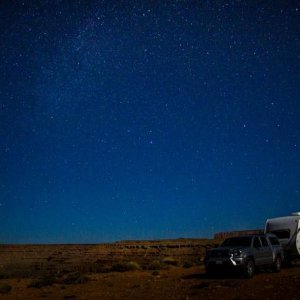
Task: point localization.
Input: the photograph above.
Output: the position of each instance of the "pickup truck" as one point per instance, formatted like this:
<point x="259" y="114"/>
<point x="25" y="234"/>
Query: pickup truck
<point x="245" y="253"/>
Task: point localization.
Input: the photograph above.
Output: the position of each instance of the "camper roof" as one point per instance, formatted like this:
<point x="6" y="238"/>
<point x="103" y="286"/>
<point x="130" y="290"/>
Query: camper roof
<point x="285" y="219"/>
<point x="282" y="222"/>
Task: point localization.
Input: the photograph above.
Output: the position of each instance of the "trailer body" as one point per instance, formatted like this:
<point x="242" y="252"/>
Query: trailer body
<point x="287" y="229"/>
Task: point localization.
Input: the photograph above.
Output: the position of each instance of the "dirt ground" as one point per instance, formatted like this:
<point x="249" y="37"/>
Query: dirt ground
<point x="175" y="283"/>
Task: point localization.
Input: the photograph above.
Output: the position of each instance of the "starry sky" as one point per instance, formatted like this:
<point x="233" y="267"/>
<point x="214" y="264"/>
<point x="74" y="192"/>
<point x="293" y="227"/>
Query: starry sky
<point x="147" y="119"/>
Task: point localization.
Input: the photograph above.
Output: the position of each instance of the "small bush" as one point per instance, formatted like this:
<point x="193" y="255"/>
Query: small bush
<point x="110" y="284"/>
<point x="170" y="261"/>
<point x="5" y="288"/>
<point x="125" y="266"/>
<point x="155" y="265"/>
<point x="133" y="266"/>
<point x="118" y="267"/>
<point x="46" y="280"/>
<point x="100" y="269"/>
<point x="187" y="264"/>
<point x="61" y="273"/>
<point x="74" y="278"/>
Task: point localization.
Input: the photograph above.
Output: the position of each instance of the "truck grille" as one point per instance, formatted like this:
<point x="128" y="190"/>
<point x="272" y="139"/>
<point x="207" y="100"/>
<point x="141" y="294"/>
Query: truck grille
<point x="219" y="253"/>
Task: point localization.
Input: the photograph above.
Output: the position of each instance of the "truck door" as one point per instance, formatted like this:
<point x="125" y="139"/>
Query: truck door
<point x="257" y="251"/>
<point x="267" y="253"/>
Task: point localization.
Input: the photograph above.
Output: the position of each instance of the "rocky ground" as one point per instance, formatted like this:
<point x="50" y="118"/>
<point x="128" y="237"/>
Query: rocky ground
<point x="175" y="283"/>
<point x="131" y="270"/>
<point x="31" y="260"/>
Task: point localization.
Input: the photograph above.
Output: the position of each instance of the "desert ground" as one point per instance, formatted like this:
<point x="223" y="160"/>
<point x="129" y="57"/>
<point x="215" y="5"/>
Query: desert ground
<point x="131" y="270"/>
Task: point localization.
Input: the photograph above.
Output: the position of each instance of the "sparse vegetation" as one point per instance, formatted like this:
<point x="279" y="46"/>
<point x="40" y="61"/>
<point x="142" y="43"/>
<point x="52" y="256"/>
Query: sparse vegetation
<point x="5" y="288"/>
<point x="110" y="284"/>
<point x="119" y="267"/>
<point x="60" y="260"/>
<point x="155" y="265"/>
<point x="97" y="268"/>
<point x="170" y="261"/>
<point x="155" y="273"/>
<point x="48" y="280"/>
<point x="45" y="280"/>
<point x="125" y="266"/>
<point x="133" y="266"/>
<point x="187" y="264"/>
<point x="73" y="278"/>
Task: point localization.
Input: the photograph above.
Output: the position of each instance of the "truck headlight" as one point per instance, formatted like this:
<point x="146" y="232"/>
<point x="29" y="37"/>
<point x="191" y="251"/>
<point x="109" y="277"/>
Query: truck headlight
<point x="236" y="252"/>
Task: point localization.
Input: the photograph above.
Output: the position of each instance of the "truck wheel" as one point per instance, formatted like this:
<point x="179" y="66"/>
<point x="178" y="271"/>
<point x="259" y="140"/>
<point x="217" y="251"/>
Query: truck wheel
<point x="277" y="264"/>
<point x="249" y="268"/>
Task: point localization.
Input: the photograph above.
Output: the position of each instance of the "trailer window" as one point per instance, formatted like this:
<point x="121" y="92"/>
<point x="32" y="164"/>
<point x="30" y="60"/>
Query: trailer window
<point x="274" y="241"/>
<point x="282" y="234"/>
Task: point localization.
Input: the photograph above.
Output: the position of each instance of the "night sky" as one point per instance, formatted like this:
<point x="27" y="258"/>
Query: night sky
<point x="147" y="119"/>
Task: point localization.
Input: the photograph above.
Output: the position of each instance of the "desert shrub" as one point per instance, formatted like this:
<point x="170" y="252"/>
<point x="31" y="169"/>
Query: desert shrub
<point x="15" y="272"/>
<point x="110" y="284"/>
<point x="155" y="265"/>
<point x="187" y="264"/>
<point x="61" y="273"/>
<point x="170" y="261"/>
<point x="125" y="266"/>
<point x="5" y="288"/>
<point x="45" y="280"/>
<point x="98" y="267"/>
<point x="82" y="267"/>
<point x="118" y="267"/>
<point x="74" y="278"/>
<point x="133" y="266"/>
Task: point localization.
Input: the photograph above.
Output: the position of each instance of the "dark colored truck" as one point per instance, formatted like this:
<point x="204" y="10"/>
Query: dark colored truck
<point x="245" y="253"/>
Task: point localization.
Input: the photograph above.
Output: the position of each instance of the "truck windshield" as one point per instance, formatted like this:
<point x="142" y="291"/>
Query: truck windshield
<point x="237" y="241"/>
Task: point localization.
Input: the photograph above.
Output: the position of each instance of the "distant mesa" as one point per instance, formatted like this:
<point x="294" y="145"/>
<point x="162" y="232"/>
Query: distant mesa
<point x="224" y="235"/>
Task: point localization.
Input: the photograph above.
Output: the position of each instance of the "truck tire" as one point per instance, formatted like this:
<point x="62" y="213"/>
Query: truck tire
<point x="277" y="264"/>
<point x="249" y="269"/>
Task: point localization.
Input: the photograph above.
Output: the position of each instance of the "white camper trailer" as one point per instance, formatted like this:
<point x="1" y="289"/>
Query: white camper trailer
<point x="287" y="229"/>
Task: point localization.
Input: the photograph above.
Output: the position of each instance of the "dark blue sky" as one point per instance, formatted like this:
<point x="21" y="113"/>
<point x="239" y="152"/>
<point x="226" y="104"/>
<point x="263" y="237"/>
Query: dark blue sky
<point x="147" y="119"/>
